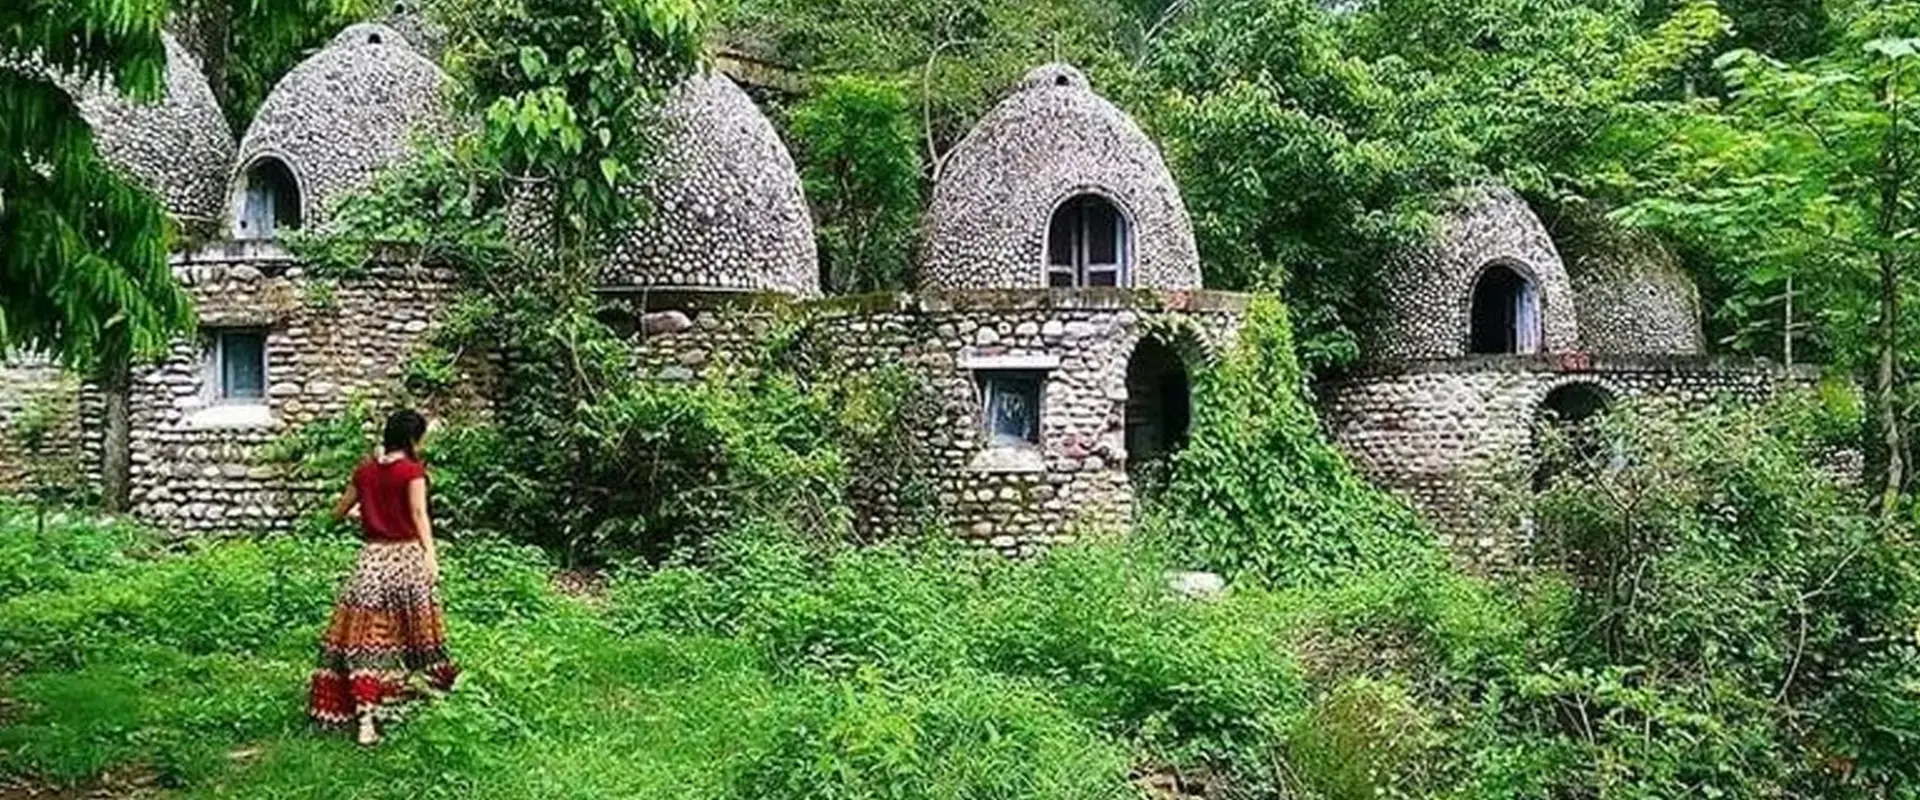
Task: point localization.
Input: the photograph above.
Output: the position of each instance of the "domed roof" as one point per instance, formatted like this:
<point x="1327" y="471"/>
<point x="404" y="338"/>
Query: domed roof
<point x="1429" y="289"/>
<point x="725" y="210"/>
<point x="1633" y="295"/>
<point x="1049" y="141"/>
<point x="179" y="146"/>
<point x="344" y="113"/>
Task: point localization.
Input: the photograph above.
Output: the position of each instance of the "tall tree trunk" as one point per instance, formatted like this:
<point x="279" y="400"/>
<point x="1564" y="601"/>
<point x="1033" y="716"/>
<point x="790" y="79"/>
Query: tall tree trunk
<point x="1892" y="182"/>
<point x="116" y="465"/>
<point x="1883" y="386"/>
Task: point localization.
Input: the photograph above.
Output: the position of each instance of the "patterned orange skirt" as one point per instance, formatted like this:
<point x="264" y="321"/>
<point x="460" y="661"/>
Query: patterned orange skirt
<point x="386" y="629"/>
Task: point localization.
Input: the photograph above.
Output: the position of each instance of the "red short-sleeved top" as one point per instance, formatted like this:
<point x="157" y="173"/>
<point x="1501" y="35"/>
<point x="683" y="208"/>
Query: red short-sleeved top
<point x="382" y="488"/>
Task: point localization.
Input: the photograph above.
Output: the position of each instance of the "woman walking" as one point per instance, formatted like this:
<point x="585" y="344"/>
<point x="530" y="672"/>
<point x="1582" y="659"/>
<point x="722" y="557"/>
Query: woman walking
<point x="386" y="625"/>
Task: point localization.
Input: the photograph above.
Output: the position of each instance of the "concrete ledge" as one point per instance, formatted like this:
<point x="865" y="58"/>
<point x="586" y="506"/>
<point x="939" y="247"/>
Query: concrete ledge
<point x="1579" y="363"/>
<point x="1098" y="299"/>
<point x="1035" y="362"/>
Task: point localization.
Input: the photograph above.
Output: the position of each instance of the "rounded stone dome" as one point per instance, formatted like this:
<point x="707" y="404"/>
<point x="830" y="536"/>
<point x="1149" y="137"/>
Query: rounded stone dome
<point x="1491" y="254"/>
<point x="725" y="208"/>
<point x="1050" y="146"/>
<point x="1634" y="297"/>
<point x="343" y="114"/>
<point x="179" y="147"/>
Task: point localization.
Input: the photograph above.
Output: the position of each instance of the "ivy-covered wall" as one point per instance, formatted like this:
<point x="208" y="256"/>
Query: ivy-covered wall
<point x="1457" y="438"/>
<point x="197" y="459"/>
<point x="1074" y="479"/>
<point x="41" y="438"/>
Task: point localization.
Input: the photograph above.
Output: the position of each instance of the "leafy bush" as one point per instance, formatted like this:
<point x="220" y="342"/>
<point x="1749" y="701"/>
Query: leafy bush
<point x="1755" y="637"/>
<point x="1258" y="491"/>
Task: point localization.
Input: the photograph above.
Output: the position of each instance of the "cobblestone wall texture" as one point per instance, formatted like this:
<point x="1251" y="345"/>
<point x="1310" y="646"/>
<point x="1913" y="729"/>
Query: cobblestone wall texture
<point x="36" y="393"/>
<point x="1633" y="296"/>
<point x="726" y="211"/>
<point x="345" y="113"/>
<point x="1052" y="139"/>
<point x="1457" y="438"/>
<point x="197" y="466"/>
<point x="179" y="147"/>
<point x="681" y="336"/>
<point x="1077" y="480"/>
<point x="1429" y="291"/>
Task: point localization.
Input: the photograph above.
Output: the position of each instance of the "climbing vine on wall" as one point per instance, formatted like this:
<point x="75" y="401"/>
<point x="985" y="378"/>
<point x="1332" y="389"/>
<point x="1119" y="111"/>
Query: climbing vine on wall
<point x="1258" y="492"/>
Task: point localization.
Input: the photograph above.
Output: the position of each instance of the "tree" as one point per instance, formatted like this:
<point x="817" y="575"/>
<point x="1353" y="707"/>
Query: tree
<point x="83" y="249"/>
<point x="527" y="206"/>
<point x="245" y="46"/>
<point x="858" y="146"/>
<point x="1805" y="178"/>
<point x="1309" y="142"/>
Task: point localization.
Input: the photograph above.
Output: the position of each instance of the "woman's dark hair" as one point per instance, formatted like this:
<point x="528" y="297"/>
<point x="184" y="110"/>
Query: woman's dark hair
<point x="404" y="430"/>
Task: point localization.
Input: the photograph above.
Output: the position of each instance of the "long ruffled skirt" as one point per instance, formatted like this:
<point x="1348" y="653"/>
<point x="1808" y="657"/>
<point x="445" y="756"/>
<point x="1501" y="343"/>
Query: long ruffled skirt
<point x="386" y="629"/>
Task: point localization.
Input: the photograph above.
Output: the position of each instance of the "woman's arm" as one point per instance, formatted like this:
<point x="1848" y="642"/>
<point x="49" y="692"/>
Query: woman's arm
<point x="348" y="499"/>
<point x="417" y="505"/>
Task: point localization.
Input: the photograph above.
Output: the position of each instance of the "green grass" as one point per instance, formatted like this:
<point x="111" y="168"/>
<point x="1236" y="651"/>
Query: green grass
<point x="879" y="673"/>
<point x="783" y="668"/>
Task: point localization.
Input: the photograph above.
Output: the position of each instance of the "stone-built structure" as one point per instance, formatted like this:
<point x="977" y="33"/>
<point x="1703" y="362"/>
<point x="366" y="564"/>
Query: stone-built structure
<point x="1059" y="315"/>
<point x="1487" y="335"/>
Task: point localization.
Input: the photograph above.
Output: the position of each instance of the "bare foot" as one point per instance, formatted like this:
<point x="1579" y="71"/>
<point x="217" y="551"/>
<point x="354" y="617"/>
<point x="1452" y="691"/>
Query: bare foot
<point x="369" y="734"/>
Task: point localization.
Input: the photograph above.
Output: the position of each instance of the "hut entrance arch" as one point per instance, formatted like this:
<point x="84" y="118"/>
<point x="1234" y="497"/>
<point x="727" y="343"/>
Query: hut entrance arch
<point x="1570" y="415"/>
<point x="1504" y="316"/>
<point x="269" y="201"/>
<point x="1159" y="408"/>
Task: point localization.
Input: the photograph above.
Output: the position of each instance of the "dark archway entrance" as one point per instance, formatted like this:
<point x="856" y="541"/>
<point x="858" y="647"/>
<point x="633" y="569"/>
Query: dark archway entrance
<point x="1159" y="408"/>
<point x="1505" y="313"/>
<point x="1570" y="416"/>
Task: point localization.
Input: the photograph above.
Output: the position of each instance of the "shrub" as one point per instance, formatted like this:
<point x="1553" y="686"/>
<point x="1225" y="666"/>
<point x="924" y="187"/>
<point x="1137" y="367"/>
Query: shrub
<point x="1259" y="493"/>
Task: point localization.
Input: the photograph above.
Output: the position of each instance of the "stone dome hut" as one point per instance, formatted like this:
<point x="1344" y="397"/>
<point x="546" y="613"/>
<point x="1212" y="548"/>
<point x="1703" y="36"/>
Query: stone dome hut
<point x="1633" y="296"/>
<point x="329" y="125"/>
<point x="1489" y="282"/>
<point x="1488" y="338"/>
<point x="1057" y="187"/>
<point x="726" y="209"/>
<point x="179" y="147"/>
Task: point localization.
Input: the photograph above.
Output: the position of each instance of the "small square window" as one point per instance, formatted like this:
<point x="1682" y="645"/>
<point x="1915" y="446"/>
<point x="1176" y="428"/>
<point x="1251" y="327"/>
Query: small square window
<point x="239" y="366"/>
<point x="1012" y="408"/>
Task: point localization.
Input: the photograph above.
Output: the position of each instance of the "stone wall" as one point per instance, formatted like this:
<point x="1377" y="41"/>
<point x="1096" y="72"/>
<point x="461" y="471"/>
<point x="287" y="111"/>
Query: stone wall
<point x="197" y="464"/>
<point x="679" y="335"/>
<point x="1456" y="437"/>
<point x="38" y="394"/>
<point x="1076" y="478"/>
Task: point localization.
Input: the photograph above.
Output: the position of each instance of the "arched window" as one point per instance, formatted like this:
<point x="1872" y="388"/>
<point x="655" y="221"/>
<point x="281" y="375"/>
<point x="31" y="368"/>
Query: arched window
<point x="1505" y="314"/>
<point x="1159" y="408"/>
<point x="271" y="202"/>
<point x="1088" y="244"/>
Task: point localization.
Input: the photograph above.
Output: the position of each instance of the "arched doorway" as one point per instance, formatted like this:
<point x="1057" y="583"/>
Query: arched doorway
<point x="1089" y="243"/>
<point x="1569" y="416"/>
<point x="1159" y="408"/>
<point x="1505" y="313"/>
<point x="270" y="202"/>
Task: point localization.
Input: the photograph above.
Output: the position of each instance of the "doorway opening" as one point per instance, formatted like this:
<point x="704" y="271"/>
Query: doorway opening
<point x="1159" y="409"/>
<point x="1505" y="313"/>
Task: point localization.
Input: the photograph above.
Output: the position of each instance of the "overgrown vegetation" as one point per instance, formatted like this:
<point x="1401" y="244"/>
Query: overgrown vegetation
<point x="1738" y="627"/>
